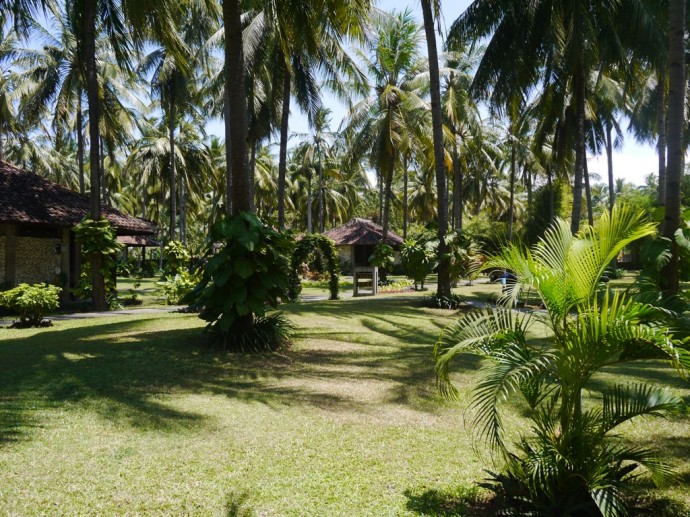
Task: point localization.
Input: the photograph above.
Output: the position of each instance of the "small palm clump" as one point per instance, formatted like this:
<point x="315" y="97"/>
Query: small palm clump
<point x="569" y="464"/>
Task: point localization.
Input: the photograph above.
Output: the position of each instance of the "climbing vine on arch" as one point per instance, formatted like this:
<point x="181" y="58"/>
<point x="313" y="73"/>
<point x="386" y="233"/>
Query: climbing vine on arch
<point x="305" y="247"/>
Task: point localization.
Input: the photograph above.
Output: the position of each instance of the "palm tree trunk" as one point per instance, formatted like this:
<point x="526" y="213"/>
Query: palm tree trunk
<point x="609" y="163"/>
<point x="171" y="169"/>
<point x="437" y="128"/>
<point x="661" y="141"/>
<point x="457" y="188"/>
<point x="228" y="149"/>
<point x="80" y="145"/>
<point x="380" y="180"/>
<point x="527" y="174"/>
<point x="405" y="199"/>
<point x="183" y="201"/>
<point x="579" y="147"/>
<point x="511" y="207"/>
<point x="236" y="125"/>
<point x="104" y="187"/>
<point x="2" y="152"/>
<point x="387" y="200"/>
<point x="282" y="160"/>
<point x="588" y="194"/>
<point x="676" y="122"/>
<point x="309" y="205"/>
<point x="321" y="203"/>
<point x="252" y="172"/>
<point x="549" y="182"/>
<point x="91" y="72"/>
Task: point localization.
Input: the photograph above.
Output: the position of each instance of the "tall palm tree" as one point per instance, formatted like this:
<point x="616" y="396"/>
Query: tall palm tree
<point x="126" y="24"/>
<point x="560" y="43"/>
<point x="317" y="148"/>
<point x="175" y="85"/>
<point x="308" y="41"/>
<point x="676" y="122"/>
<point x="8" y="89"/>
<point x="430" y="14"/>
<point x="461" y="116"/>
<point x="378" y="125"/>
<point x="54" y="84"/>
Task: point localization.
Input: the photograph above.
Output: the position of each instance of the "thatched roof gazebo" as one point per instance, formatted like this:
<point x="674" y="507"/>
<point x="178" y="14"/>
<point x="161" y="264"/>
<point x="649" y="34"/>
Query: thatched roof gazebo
<point x="357" y="239"/>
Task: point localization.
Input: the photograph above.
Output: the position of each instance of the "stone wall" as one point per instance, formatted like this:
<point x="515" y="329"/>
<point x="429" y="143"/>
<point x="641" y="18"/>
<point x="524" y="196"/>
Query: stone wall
<point x="36" y="260"/>
<point x="2" y="260"/>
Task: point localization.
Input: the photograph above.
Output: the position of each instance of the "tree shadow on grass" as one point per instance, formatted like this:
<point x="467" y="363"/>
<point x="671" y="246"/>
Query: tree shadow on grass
<point x="236" y="505"/>
<point x="126" y="373"/>
<point x="462" y="501"/>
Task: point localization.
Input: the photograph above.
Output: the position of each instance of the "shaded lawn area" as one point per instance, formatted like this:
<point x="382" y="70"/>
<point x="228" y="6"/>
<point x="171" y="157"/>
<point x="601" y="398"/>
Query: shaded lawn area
<point x="133" y="415"/>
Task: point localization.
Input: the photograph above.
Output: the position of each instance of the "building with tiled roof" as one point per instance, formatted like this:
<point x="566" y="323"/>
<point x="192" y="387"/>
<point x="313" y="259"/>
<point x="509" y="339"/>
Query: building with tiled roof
<point x="36" y="220"/>
<point x="357" y="239"/>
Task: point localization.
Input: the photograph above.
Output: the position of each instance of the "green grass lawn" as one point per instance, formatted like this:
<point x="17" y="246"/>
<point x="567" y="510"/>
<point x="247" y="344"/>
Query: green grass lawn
<point x="132" y="415"/>
<point x="147" y="289"/>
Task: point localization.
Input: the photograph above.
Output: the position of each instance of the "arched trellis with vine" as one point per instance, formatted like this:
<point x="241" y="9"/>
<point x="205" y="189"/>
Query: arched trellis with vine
<point x="305" y="247"/>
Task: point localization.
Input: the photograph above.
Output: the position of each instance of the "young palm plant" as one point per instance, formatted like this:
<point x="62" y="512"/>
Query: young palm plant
<point x="569" y="463"/>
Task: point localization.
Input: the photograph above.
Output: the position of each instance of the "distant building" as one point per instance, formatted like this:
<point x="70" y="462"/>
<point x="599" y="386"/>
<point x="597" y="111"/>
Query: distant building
<point x="36" y="220"/>
<point x="357" y="239"/>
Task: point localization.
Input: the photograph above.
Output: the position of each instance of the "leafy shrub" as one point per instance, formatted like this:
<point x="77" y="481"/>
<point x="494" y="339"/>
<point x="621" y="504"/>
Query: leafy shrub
<point x="452" y="302"/>
<point x="395" y="286"/>
<point x="265" y="334"/>
<point x="465" y="257"/>
<point x="31" y="302"/>
<point x="326" y="284"/>
<point x="614" y="273"/>
<point x="176" y="257"/>
<point x="246" y="271"/>
<point x="96" y="237"/>
<point x="179" y="286"/>
<point x="305" y="251"/>
<point x="383" y="257"/>
<point x="419" y="259"/>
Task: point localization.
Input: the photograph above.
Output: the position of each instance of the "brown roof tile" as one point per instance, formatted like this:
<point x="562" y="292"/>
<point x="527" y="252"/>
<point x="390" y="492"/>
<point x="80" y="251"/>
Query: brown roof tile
<point x="361" y="232"/>
<point x="28" y="198"/>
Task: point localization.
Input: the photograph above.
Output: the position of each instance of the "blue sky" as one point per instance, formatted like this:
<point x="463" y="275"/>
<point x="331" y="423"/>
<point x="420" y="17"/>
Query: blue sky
<point x="633" y="162"/>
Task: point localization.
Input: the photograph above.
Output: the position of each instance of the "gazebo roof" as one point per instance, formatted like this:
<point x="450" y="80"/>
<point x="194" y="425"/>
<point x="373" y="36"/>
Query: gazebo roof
<point x="362" y="232"/>
<point x="27" y="198"/>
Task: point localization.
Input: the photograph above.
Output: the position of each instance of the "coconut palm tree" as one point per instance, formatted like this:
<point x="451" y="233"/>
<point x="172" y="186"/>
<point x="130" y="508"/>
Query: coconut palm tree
<point x="308" y="41"/>
<point x="570" y="458"/>
<point x="53" y="87"/>
<point x="676" y="122"/>
<point x="431" y="12"/>
<point x="560" y="43"/>
<point x="8" y="87"/>
<point x="379" y="125"/>
<point x="126" y="24"/>
<point x="175" y="86"/>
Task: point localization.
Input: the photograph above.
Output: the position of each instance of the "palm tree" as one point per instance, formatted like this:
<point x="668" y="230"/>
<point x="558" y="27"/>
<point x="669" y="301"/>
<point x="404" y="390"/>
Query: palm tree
<point x="560" y="44"/>
<point x="308" y="41"/>
<point x="317" y="149"/>
<point x="569" y="458"/>
<point x="126" y="24"/>
<point x="53" y="83"/>
<point x="676" y="122"/>
<point x="379" y="125"/>
<point x="437" y="131"/>
<point x="461" y="116"/>
<point x="174" y="85"/>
